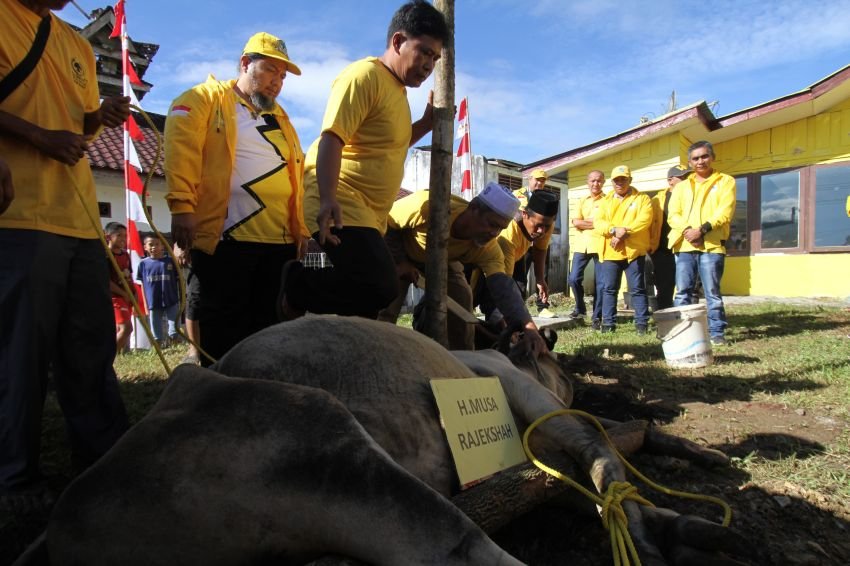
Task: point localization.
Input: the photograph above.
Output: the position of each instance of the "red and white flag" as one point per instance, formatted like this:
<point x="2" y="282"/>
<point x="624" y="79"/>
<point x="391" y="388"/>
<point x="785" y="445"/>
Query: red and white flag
<point x="464" y="150"/>
<point x="132" y="182"/>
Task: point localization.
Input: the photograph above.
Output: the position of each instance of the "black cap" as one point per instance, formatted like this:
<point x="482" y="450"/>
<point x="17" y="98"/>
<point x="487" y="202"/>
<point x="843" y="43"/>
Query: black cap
<point x="678" y="172"/>
<point x="543" y="202"/>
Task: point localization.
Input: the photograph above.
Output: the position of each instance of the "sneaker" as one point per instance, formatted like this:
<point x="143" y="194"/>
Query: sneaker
<point x="606" y="329"/>
<point x="596" y="324"/>
<point x="285" y="309"/>
<point x="641" y="329"/>
<point x="718" y="341"/>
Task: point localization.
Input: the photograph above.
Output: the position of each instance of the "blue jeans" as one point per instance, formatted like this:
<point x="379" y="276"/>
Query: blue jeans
<point x="170" y="315"/>
<point x="709" y="267"/>
<point x="608" y="275"/>
<point x="580" y="261"/>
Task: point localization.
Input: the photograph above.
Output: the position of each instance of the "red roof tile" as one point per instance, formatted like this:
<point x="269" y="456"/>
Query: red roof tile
<point x="107" y="151"/>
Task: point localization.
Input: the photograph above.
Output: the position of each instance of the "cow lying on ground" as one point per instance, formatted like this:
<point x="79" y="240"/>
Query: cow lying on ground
<point x="328" y="442"/>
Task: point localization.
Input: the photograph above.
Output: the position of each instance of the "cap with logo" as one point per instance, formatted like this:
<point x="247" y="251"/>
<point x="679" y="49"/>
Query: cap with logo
<point x="499" y="199"/>
<point x="678" y="172"/>
<point x="621" y="171"/>
<point x="267" y="45"/>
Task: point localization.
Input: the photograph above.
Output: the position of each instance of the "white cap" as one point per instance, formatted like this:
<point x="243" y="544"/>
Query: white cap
<point x="499" y="199"/>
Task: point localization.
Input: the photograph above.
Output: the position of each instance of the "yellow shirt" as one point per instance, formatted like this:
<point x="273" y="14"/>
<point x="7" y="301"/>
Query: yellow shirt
<point x="515" y="244"/>
<point x="634" y="211"/>
<point x="588" y="241"/>
<point x="369" y="112"/>
<point x="57" y="95"/>
<point x="410" y="214"/>
<point x="692" y="204"/>
<point x="657" y="219"/>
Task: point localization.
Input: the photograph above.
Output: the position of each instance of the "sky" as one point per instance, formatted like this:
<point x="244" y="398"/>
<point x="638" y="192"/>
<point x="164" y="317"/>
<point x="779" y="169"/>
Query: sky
<point x="542" y="76"/>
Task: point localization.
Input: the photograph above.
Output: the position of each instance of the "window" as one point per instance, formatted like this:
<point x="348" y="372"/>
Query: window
<point x="780" y="210"/>
<point x="104" y="209"/>
<point x="792" y="211"/>
<point x="831" y="224"/>
<point x="739" y="241"/>
<point x="509" y="181"/>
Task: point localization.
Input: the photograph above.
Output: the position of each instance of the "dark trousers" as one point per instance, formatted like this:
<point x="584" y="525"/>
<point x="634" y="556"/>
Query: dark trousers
<point x="55" y="311"/>
<point x="609" y="274"/>
<point x="664" y="274"/>
<point x="237" y="291"/>
<point x="362" y="281"/>
<point x="576" y="281"/>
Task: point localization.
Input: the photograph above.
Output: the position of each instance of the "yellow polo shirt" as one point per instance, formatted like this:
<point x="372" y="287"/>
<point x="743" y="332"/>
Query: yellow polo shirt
<point x="49" y="195"/>
<point x="587" y="209"/>
<point x="368" y="110"/>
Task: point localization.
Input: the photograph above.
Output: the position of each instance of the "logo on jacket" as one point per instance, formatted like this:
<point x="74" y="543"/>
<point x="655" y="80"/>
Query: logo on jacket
<point x="79" y="72"/>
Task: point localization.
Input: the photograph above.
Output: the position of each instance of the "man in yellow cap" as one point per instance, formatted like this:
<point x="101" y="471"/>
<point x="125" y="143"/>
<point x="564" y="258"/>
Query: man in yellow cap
<point x="536" y="256"/>
<point x="623" y="221"/>
<point x="585" y="251"/>
<point x="234" y="167"/>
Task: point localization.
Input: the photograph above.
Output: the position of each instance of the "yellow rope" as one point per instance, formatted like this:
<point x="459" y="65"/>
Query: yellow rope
<point x="613" y="516"/>
<point x="160" y="236"/>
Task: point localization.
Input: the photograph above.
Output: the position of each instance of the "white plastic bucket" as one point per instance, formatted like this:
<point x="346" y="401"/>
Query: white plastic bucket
<point x="684" y="335"/>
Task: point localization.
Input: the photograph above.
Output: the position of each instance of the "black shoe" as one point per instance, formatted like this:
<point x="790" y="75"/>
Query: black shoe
<point x="607" y="329"/>
<point x="718" y="341"/>
<point x="641" y="329"/>
<point x="596" y="324"/>
<point x="285" y="309"/>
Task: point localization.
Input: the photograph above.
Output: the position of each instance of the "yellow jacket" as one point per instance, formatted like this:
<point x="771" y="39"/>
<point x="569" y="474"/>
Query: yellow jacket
<point x="200" y="151"/>
<point x="657" y="226"/>
<point x="694" y="204"/>
<point x="633" y="212"/>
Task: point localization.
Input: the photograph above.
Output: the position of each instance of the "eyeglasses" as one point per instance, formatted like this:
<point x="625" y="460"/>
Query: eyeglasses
<point x="700" y="157"/>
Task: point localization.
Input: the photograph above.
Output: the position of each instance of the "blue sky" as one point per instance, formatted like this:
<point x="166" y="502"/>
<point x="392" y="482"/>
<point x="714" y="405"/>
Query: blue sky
<point x="542" y="76"/>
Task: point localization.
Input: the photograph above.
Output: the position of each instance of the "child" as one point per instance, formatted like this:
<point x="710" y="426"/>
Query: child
<point x="159" y="280"/>
<point x="116" y="239"/>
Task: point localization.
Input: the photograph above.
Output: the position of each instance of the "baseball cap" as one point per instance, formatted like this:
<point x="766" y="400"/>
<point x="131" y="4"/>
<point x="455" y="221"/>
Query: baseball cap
<point x="539" y="174"/>
<point x="678" y="172"/>
<point x="543" y="202"/>
<point x="499" y="199"/>
<point x="621" y="171"/>
<point x="267" y="45"/>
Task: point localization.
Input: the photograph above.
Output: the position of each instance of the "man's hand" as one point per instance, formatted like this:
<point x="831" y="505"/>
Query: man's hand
<point x="183" y="229"/>
<point x="618" y="244"/>
<point x="407" y="272"/>
<point x="330" y="214"/>
<point x="181" y="255"/>
<point x="7" y="190"/>
<point x="694" y="236"/>
<point x="61" y="145"/>
<point x="542" y="292"/>
<point x="114" y="110"/>
<point x="302" y="248"/>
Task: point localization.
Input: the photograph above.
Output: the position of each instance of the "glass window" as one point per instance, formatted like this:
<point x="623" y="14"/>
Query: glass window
<point x="832" y="187"/>
<point x="780" y="210"/>
<point x="738" y="231"/>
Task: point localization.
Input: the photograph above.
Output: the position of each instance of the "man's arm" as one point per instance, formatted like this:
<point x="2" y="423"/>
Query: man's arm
<point x="61" y="145"/>
<point x="508" y="300"/>
<point x="538" y="258"/>
<point x="424" y="124"/>
<point x="328" y="162"/>
<point x="580" y="222"/>
<point x="7" y="189"/>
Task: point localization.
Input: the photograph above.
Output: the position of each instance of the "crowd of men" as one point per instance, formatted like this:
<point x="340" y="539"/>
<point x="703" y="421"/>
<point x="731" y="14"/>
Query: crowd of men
<point x="245" y="199"/>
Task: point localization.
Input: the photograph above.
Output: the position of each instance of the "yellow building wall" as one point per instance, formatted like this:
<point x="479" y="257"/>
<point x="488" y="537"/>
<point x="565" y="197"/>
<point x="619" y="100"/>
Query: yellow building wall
<point x="788" y="275"/>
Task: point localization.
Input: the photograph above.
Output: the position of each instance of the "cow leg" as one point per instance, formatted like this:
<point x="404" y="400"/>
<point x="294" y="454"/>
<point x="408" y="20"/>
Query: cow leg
<point x="227" y="471"/>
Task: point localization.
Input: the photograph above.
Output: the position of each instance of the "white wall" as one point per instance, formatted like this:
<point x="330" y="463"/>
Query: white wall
<point x="110" y="188"/>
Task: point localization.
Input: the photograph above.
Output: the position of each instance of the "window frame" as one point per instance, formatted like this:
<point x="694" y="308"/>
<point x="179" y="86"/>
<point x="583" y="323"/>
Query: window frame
<point x="811" y="205"/>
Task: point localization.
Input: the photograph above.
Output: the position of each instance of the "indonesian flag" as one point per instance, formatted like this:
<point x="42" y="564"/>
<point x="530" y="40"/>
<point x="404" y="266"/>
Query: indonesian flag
<point x="132" y="182"/>
<point x="464" y="150"/>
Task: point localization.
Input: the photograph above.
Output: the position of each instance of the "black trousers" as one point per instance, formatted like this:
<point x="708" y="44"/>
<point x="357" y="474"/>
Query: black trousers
<point x="238" y="287"/>
<point x="664" y="277"/>
<point x="361" y="282"/>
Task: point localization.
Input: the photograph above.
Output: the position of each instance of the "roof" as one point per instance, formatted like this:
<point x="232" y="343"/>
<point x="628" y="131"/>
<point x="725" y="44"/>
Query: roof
<point x="107" y="151"/>
<point x="697" y="121"/>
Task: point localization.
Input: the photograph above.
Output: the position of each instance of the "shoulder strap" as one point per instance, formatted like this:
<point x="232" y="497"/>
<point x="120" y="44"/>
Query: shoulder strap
<point x="19" y="74"/>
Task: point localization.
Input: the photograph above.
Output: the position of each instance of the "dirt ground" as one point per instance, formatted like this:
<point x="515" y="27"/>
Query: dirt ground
<point x="785" y="523"/>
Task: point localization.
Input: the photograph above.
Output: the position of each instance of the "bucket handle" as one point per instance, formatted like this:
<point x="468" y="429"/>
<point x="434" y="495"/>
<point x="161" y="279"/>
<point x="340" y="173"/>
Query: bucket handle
<point x="678" y="329"/>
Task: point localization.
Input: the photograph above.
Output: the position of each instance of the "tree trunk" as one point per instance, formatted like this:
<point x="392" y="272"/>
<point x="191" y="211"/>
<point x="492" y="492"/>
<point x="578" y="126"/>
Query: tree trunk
<point x="436" y="268"/>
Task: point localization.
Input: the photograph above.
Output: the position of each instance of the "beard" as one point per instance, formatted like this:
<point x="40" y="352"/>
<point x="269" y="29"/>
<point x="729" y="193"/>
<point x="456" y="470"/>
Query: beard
<point x="262" y="101"/>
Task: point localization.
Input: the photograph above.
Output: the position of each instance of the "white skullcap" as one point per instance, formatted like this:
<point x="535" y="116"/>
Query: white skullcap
<point x="499" y="199"/>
